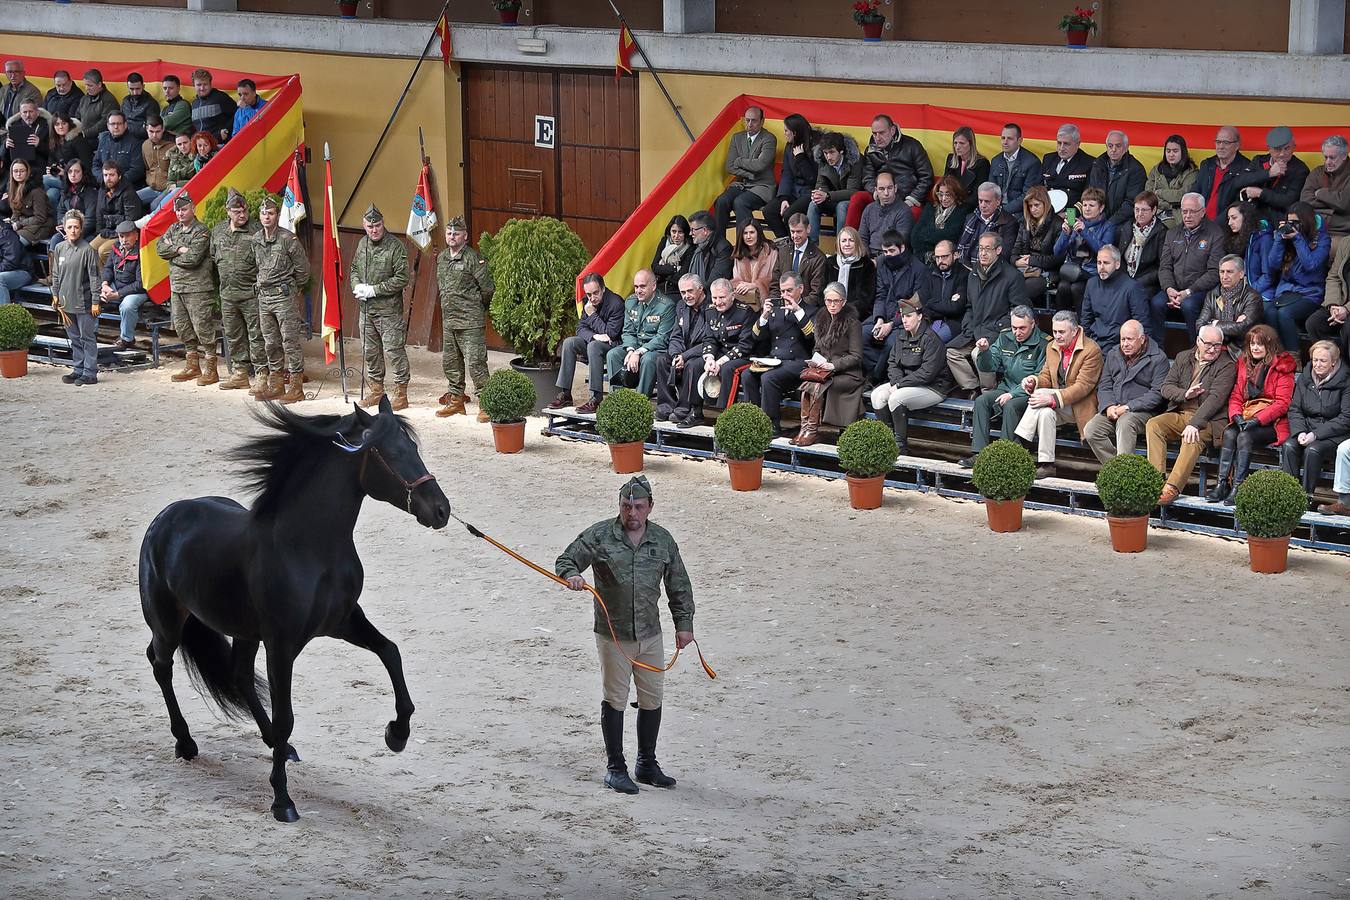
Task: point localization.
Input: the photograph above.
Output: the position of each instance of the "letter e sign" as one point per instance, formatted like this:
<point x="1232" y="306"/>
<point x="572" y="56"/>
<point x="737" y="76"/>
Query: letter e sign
<point x="544" y="132"/>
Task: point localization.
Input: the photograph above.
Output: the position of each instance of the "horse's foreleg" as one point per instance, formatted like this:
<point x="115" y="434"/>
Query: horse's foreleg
<point x="360" y="632"/>
<point x="160" y="653"/>
<point x="280" y="662"/>
<point x="243" y="655"/>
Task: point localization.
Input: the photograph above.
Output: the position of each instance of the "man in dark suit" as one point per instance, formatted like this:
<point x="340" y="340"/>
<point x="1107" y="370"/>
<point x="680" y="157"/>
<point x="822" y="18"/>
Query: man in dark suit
<point x="1068" y="167"/>
<point x="750" y="161"/>
<point x="598" y="331"/>
<point x="798" y="256"/>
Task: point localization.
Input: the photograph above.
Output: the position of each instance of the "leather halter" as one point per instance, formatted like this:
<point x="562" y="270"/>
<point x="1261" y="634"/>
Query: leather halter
<point x="343" y="444"/>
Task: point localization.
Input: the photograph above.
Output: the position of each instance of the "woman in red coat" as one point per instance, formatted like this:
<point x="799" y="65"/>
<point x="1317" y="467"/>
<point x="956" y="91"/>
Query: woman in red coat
<point x="1258" y="408"/>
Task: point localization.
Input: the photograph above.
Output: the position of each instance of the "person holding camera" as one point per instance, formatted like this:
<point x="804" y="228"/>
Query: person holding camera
<point x="28" y="137"/>
<point x="1297" y="263"/>
<point x="1079" y="241"/>
<point x="788" y="326"/>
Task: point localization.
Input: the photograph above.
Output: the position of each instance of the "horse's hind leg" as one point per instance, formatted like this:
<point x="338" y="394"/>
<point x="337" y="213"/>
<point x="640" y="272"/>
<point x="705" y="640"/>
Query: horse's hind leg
<point x="243" y="655"/>
<point x="160" y="653"/>
<point x="360" y="632"/>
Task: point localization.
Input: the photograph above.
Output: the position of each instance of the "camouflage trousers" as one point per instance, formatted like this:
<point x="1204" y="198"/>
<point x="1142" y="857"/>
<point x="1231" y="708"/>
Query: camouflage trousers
<point x="243" y="333"/>
<point x="282" y="330"/>
<point x="464" y="348"/>
<point x="194" y="318"/>
<point x="383" y="331"/>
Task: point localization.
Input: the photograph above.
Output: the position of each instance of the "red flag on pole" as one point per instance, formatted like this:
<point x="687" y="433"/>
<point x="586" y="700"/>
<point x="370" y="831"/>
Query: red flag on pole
<point x="624" y="61"/>
<point x="443" y="29"/>
<point x="292" y="199"/>
<point x="332" y="273"/>
<point x="422" y="217"/>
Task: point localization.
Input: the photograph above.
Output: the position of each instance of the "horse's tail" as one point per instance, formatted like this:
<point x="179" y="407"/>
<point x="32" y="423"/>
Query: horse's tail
<point x="208" y="658"/>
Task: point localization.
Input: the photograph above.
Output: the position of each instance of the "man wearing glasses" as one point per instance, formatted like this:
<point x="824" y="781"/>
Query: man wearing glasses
<point x="1219" y="176"/>
<point x="712" y="251"/>
<point x="1188" y="267"/>
<point x="1196" y="390"/>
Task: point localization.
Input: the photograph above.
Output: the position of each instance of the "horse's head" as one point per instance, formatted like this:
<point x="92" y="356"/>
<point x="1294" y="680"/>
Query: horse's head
<point x="391" y="466"/>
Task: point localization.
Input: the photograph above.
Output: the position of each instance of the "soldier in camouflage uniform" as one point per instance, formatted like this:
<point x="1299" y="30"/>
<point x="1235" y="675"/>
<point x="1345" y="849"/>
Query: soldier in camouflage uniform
<point x="379" y="273"/>
<point x="283" y="269"/>
<point x="465" y="290"/>
<point x="186" y="247"/>
<point x="237" y="270"/>
<point x="631" y="559"/>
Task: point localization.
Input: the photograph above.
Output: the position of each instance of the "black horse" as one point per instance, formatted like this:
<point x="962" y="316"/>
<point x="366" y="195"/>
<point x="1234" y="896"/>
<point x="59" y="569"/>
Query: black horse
<point x="281" y="572"/>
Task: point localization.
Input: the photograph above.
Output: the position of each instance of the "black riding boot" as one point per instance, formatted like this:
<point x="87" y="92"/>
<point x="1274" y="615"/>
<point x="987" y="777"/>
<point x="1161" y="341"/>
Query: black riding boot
<point x="1220" y="488"/>
<point x="900" y="425"/>
<point x="611" y="726"/>
<point x="647" y="770"/>
<point x="1242" y="461"/>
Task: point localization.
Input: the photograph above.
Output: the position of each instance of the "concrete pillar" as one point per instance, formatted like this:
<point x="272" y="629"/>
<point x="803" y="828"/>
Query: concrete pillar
<point x="1317" y="27"/>
<point x="213" y="5"/>
<point x="689" y="16"/>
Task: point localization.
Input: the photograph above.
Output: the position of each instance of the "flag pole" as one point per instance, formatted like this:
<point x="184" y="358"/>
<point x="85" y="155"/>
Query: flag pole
<point x="423" y="161"/>
<point x="342" y="350"/>
<point x="387" y="125"/>
<point x="655" y="74"/>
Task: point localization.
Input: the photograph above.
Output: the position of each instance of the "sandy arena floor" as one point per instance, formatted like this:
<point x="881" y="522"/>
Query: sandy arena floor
<point x="909" y="705"/>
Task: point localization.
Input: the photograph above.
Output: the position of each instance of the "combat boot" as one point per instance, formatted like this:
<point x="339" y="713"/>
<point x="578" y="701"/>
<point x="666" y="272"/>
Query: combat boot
<point x="374" y="397"/>
<point x="482" y="416"/>
<point x="209" y="374"/>
<point x="400" y="397"/>
<point x="616" y="768"/>
<point x="269" y="386"/>
<point x="454" y="406"/>
<point x="295" y="388"/>
<point x="647" y="770"/>
<point x="238" y="381"/>
<point x="191" y="368"/>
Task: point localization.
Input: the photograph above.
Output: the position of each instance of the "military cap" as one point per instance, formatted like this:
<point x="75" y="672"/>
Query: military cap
<point x="1279" y="136"/>
<point x="911" y="305"/>
<point x="269" y="202"/>
<point x="182" y="199"/>
<point x="373" y="214"/>
<point x="126" y="226"/>
<point x="456" y="223"/>
<point x="637" y="488"/>
<point x="234" y="200"/>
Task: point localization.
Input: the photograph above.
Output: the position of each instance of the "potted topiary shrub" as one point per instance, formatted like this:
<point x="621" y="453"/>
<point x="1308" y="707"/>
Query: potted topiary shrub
<point x="744" y="433"/>
<point x="17" y="330"/>
<point x="534" y="265"/>
<point x="1269" y="506"/>
<point x="507" y="398"/>
<point x="867" y="452"/>
<point x="1003" y="473"/>
<point x="624" y="419"/>
<point x="1129" y="487"/>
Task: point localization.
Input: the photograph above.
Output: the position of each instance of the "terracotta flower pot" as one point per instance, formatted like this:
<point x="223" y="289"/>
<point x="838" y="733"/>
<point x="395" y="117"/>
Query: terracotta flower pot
<point x="347" y="10"/>
<point x="1077" y="37"/>
<point x="508" y="437"/>
<point x="1128" y="534"/>
<point x="13" y="363"/>
<point x="509" y="16"/>
<point x="1269" y="556"/>
<point x="746" y="474"/>
<point x="872" y="30"/>
<point x="1004" y="515"/>
<point x="865" y="493"/>
<point x="626" y="458"/>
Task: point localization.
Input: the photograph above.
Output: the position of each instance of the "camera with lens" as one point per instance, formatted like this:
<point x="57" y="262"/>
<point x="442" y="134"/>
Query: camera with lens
<point x="1288" y="230"/>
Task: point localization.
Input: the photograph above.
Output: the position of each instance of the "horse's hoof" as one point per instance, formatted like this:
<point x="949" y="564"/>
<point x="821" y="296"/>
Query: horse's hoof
<point x="185" y="749"/>
<point x="285" y="813"/>
<point x="291" y="754"/>
<point x="396" y="738"/>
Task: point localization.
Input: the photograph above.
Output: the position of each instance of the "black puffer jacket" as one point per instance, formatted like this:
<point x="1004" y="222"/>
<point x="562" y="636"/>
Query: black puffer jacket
<point x="121" y="206"/>
<point x="1039" y="244"/>
<point x="904" y="158"/>
<point x="1324" y="410"/>
<point x="919" y="360"/>
<point x="83" y="198"/>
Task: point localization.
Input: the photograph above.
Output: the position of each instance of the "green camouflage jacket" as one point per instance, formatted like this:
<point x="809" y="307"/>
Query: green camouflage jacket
<point x="629" y="578"/>
<point x="383" y="266"/>
<point x="466" y="288"/>
<point x="191" y="272"/>
<point x="283" y="267"/>
<point x="236" y="265"/>
<point x="648" y="325"/>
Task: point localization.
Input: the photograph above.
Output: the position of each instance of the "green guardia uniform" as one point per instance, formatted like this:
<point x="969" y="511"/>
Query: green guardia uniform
<point x="237" y="270"/>
<point x="646" y="327"/>
<point x="383" y="265"/>
<point x="191" y="288"/>
<point x="283" y="270"/>
<point x="465" y="290"/>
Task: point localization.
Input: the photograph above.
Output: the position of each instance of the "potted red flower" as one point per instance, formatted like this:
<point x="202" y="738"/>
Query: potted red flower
<point x="347" y="8"/>
<point x="867" y="13"/>
<point x="509" y="10"/>
<point x="1076" y="26"/>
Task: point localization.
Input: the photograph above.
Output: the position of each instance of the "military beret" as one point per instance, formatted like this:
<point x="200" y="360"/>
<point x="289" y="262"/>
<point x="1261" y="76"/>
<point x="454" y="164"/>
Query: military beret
<point x="637" y="488"/>
<point x="234" y="199"/>
<point x="1279" y="136"/>
<point x="182" y="199"/>
<point x="126" y="226"/>
<point x="373" y="214"/>
<point x="456" y="223"/>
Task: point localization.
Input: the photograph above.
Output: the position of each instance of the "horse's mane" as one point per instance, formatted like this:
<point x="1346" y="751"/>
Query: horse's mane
<point x="294" y="444"/>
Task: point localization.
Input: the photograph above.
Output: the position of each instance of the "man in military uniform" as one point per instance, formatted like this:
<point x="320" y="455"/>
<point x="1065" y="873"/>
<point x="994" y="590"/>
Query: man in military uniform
<point x="379" y="273"/>
<point x="730" y="339"/>
<point x="283" y="269"/>
<point x="237" y="270"/>
<point x="466" y="290"/>
<point x="789" y="329"/>
<point x="186" y="247"/>
<point x="648" y="318"/>
<point x="632" y="558"/>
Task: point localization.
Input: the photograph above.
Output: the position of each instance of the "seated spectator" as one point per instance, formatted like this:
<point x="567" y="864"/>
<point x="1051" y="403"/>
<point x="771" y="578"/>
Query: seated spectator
<point x="1170" y="179"/>
<point x="95" y="106"/>
<point x="177" y="112"/>
<point x="672" y="257"/>
<point x="213" y="110"/>
<point x="122" y="284"/>
<point x="1015" y="170"/>
<point x="14" y="271"/>
<point x="155" y="152"/>
<point x="24" y="205"/>
<point x="1328" y="323"/>
<point x="1033" y="251"/>
<point x="1112" y="298"/>
<point x="838" y="400"/>
<point x="648" y="317"/>
<point x="1141" y="243"/>
<point x="1341" y="505"/>
<point x="785" y="323"/>
<point x="1233" y="306"/>
<point x="1258" y="408"/>
<point x="839" y="169"/>
<point x="1064" y="391"/>
<point x="28" y="137"/>
<point x="204" y="148"/>
<point x="117" y="145"/>
<point x="1297" y="262"/>
<point x="1067" y="168"/>
<point x="884" y="214"/>
<point x="1319" y="414"/>
<point x="68" y="142"/>
<point x="250" y="104"/>
<point x="1275" y="179"/>
<point x="599" y="329"/>
<point x="117" y="203"/>
<point x="899" y="275"/>
<point x="902" y="156"/>
<point x="1216" y="181"/>
<point x="17" y="89"/>
<point x="730" y="339"/>
<point x="1079" y="241"/>
<point x="855" y="271"/>
<point x="1119" y="176"/>
<point x="1128" y="394"/>
<point x="796" y="254"/>
<point x="182" y="167"/>
<point x="677" y="368"/>
<point x="79" y="193"/>
<point x="799" y="174"/>
<point x="987" y="216"/>
<point x="943" y="218"/>
<point x="965" y="163"/>
<point x="1249" y="236"/>
<point x="993" y="289"/>
<point x="710" y="259"/>
<point x="752" y="266"/>
<point x="1188" y="268"/>
<point x="750" y="159"/>
<point x="1196" y="393"/>
<point x="942" y="292"/>
<point x="916" y="374"/>
<point x="1327" y="189"/>
<point x="1017" y="352"/>
<point x="138" y="106"/>
<point x="64" y="97"/>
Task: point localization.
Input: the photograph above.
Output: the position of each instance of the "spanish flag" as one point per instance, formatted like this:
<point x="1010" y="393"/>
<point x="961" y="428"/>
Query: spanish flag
<point x="624" y="61"/>
<point x="332" y="273"/>
<point x="443" y="29"/>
